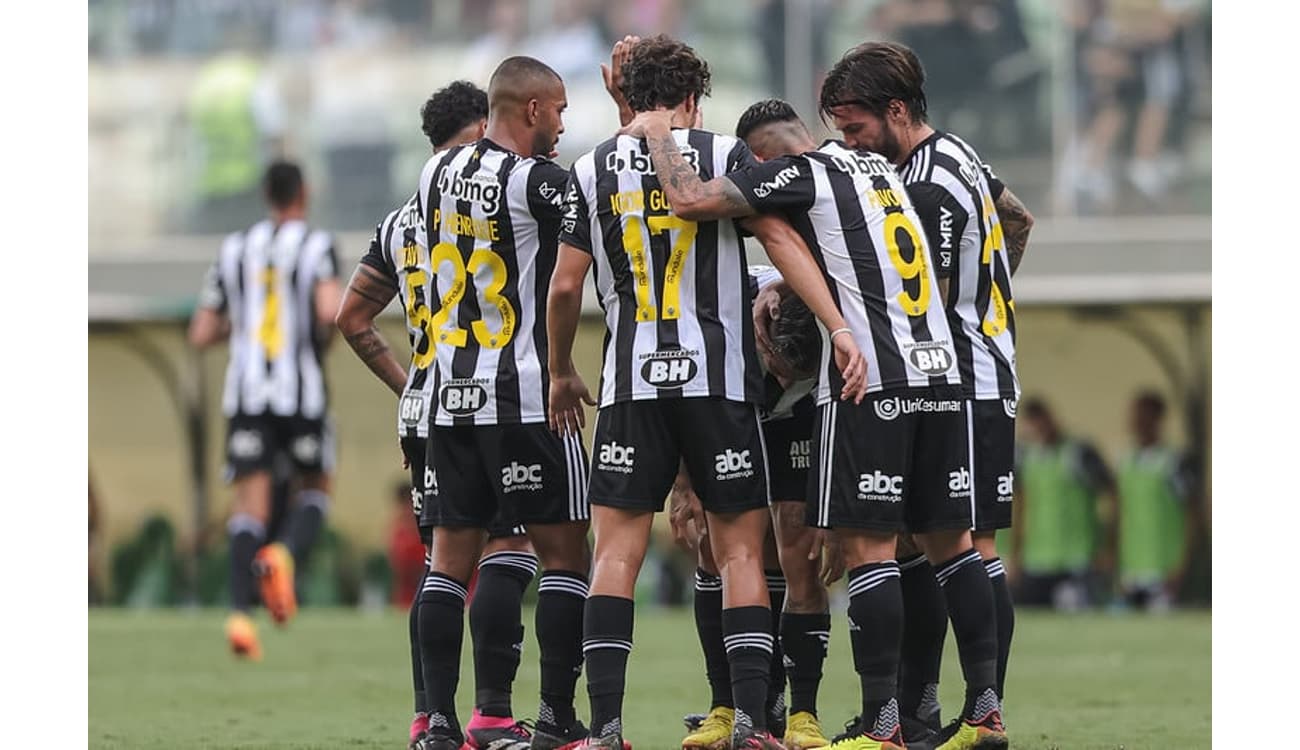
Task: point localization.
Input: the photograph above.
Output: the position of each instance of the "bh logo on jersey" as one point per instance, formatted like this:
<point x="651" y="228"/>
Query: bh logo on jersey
<point x="480" y="188"/>
<point x="1006" y="487"/>
<point x="517" y="476"/>
<point x="733" y="465"/>
<point x="931" y="358"/>
<point x="669" y="369"/>
<point x="462" y="397"/>
<point x="615" y="457"/>
<point x="411" y="408"/>
<point x="881" y="487"/>
<point x="801" y="454"/>
<point x="638" y="161"/>
<point x="959" y="483"/>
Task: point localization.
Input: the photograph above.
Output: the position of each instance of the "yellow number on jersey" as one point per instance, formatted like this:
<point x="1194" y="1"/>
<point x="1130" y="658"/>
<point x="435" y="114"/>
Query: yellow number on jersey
<point x="915" y="268"/>
<point x="418" y="314"/>
<point x="268" y="333"/>
<point x="445" y="252"/>
<point x="993" y="243"/>
<point x="634" y="244"/>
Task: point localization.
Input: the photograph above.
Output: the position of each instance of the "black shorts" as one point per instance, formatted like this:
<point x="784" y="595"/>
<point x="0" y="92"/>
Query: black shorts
<point x="898" y="461"/>
<point x="638" y="444"/>
<point x="414" y="448"/>
<point x="486" y="475"/>
<point x="789" y="452"/>
<point x="993" y="450"/>
<point x="254" y="440"/>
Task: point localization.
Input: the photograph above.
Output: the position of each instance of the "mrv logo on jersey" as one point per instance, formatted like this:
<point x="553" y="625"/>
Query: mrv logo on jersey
<point x="463" y="397"/>
<point x="479" y="188"/>
<point x="881" y="487"/>
<point x="782" y="178"/>
<point x="638" y="161"/>
<point x="931" y="357"/>
<point x="615" y="457"/>
<point x="670" y="369"/>
<point x="888" y="409"/>
<point x="518" y="476"/>
<point x="733" y="464"/>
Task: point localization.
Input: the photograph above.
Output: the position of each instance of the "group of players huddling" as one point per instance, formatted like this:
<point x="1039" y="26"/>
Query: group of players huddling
<point x="879" y="443"/>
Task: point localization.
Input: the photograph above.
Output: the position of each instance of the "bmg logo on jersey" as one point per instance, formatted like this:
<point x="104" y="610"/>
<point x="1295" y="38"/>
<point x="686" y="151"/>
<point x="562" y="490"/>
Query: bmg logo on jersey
<point x="959" y="483"/>
<point x="881" y="487"/>
<point x="462" y="397"/>
<point x="1006" y="487"/>
<point x="669" y="369"/>
<point x="638" y="161"/>
<point x="801" y="454"/>
<point x="518" y="476"/>
<point x="615" y="457"/>
<point x="932" y="358"/>
<point x="731" y="464"/>
<point x="480" y="188"/>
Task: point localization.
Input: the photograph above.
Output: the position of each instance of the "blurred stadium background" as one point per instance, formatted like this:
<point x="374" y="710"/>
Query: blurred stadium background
<point x="1097" y="112"/>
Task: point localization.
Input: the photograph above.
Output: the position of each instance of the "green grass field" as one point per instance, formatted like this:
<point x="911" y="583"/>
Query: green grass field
<point x="341" y="679"/>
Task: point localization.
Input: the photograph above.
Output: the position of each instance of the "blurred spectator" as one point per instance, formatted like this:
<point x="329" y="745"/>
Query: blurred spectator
<point x="507" y="26"/>
<point x="1157" y="518"/>
<point x="1055" y="536"/>
<point x="769" y="27"/>
<point x="405" y="550"/>
<point x="622" y="18"/>
<point x="237" y="118"/>
<point x="571" y="42"/>
<point x="1131" y="70"/>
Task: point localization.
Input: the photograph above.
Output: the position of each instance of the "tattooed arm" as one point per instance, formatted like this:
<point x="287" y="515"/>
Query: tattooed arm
<point x="691" y="198"/>
<point x="1016" y="223"/>
<point x="368" y="293"/>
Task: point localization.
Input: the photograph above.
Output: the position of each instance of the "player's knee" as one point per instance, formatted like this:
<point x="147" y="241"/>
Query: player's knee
<point x="561" y="546"/>
<point x="517" y="543"/>
<point x="986" y="542"/>
<point x="940" y="546"/>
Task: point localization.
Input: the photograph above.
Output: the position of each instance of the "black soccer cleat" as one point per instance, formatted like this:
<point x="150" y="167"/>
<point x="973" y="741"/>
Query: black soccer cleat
<point x="438" y="738"/>
<point x="549" y="737"/>
<point x="750" y="739"/>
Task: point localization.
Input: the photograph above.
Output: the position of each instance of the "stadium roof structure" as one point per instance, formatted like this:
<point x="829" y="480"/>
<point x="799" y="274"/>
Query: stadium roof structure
<point x="1070" y="262"/>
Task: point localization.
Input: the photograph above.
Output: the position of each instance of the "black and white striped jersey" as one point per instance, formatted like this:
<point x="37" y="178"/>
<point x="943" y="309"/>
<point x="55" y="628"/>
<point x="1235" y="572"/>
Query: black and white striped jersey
<point x="264" y="281"/>
<point x="853" y="212"/>
<point x="492" y="218"/>
<point x="675" y="293"/>
<point x="400" y="251"/>
<point x="954" y="193"/>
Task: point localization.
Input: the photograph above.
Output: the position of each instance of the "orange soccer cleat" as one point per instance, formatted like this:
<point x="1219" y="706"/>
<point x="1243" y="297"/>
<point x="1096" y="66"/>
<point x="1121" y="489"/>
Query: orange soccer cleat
<point x="241" y="634"/>
<point x="273" y="567"/>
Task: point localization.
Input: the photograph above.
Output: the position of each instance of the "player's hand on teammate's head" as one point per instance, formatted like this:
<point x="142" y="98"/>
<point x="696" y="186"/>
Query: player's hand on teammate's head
<point x="767" y="308"/>
<point x="852" y="366"/>
<point x="643" y="121"/>
<point x="568" y="394"/>
<point x="613" y="75"/>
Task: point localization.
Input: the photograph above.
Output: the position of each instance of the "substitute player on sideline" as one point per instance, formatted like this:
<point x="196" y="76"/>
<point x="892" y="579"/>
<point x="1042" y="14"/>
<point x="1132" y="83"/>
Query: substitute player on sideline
<point x="680" y="379"/>
<point x="898" y="461"/>
<point x="492" y="213"/>
<point x="273" y="292"/>
<point x="978" y="231"/>
<point x="397" y="263"/>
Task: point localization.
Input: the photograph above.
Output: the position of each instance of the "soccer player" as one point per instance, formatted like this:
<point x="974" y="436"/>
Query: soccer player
<point x="1157" y="510"/>
<point x="898" y="461"/>
<point x="272" y="292"/>
<point x="680" y="378"/>
<point x="789" y="351"/>
<point x="398" y="263"/>
<point x="492" y="211"/>
<point x="978" y="232"/>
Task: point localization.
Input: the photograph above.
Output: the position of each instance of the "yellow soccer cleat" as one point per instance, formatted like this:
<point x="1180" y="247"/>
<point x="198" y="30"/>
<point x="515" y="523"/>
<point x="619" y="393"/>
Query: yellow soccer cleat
<point x="273" y="568"/>
<point x="803" y="732"/>
<point x="241" y="634"/>
<point x="714" y="733"/>
<point x="867" y="741"/>
<point x="984" y="734"/>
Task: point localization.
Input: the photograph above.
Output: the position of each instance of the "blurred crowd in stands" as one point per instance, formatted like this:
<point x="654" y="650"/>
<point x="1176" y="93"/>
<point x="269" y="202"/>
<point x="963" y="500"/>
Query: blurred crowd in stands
<point x="1091" y="105"/>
